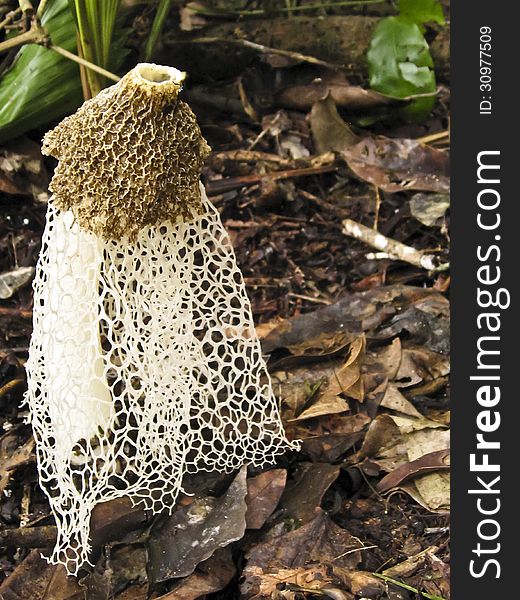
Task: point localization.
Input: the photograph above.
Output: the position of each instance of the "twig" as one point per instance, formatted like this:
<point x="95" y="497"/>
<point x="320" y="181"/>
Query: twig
<point x="35" y="35"/>
<point x="220" y="186"/>
<point x="85" y="63"/>
<point x="9" y="17"/>
<point x="26" y="7"/>
<point x="29" y="537"/>
<point x="378" y="206"/>
<point x="309" y="298"/>
<point x="433" y="137"/>
<point x="199" y="96"/>
<point x="287" y="9"/>
<point x="7" y="311"/>
<point x="407" y="587"/>
<point x="391" y="248"/>
<point x="268" y="50"/>
<point x="9" y="386"/>
<point x="251" y="156"/>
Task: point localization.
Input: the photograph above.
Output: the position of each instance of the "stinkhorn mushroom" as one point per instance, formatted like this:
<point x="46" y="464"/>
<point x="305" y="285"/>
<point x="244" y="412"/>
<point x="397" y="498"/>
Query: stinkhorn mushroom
<point x="144" y="363"/>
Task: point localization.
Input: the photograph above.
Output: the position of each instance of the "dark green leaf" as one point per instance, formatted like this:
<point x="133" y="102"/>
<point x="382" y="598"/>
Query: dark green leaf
<point x="422" y="11"/>
<point x="41" y="85"/>
<point x="400" y="65"/>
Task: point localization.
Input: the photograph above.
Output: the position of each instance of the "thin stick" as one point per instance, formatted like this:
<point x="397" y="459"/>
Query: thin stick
<point x="407" y="587"/>
<point x="433" y="137"/>
<point x="268" y="50"/>
<point x="378" y="206"/>
<point x="35" y="35"/>
<point x="390" y="247"/>
<point x="9" y="386"/>
<point x="84" y="63"/>
<point x="287" y="9"/>
<point x="41" y="9"/>
<point x="9" y="17"/>
<point x="219" y="186"/>
<point x="26" y="7"/>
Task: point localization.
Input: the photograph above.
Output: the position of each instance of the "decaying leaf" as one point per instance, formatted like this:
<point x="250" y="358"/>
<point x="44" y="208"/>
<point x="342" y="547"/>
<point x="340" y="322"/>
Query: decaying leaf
<point x="408" y="447"/>
<point x="433" y="461"/>
<point x="22" y="170"/>
<point x="394" y="400"/>
<point x="420" y="364"/>
<point x="322" y="389"/>
<point x="329" y="130"/>
<point x="338" y="424"/>
<point x="319" y="542"/>
<point x="305" y="491"/>
<point x="263" y="494"/>
<point x="12" y="281"/>
<point x="429" y="208"/>
<point x="345" y="378"/>
<point x="192" y="534"/>
<point x="112" y="520"/>
<point x="212" y="575"/>
<point x="13" y="456"/>
<point x="264" y="586"/>
<point x="35" y="578"/>
<point x="349" y="316"/>
<point x="395" y="165"/>
<point x="330" y="448"/>
<point x="410" y="565"/>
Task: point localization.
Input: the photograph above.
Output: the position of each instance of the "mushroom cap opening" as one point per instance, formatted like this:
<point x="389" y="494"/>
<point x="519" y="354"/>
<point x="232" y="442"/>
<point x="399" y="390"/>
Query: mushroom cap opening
<point x="159" y="74"/>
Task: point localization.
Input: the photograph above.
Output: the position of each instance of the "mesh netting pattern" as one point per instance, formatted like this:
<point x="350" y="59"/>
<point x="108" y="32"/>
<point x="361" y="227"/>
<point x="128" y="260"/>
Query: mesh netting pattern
<point x="144" y="365"/>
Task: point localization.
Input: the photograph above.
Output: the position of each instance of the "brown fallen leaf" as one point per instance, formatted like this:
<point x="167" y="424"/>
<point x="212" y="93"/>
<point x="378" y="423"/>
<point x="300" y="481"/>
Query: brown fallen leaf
<point x="394" y="400"/>
<point x="324" y="406"/>
<point x="22" y="170"/>
<point x="341" y="383"/>
<point x="395" y="165"/>
<point x="305" y="491"/>
<point x="211" y="576"/>
<point x="410" y="565"/>
<point x="329" y="424"/>
<point x="329" y="130"/>
<point x="318" y="542"/>
<point x="330" y="448"/>
<point x="112" y="520"/>
<point x="298" y="387"/>
<point x="419" y="364"/>
<point x="192" y="534"/>
<point x="382" y="433"/>
<point x="34" y="578"/>
<point x="263" y="494"/>
<point x="13" y="456"/>
<point x="324" y="344"/>
<point x="385" y="360"/>
<point x="266" y="585"/>
<point x="362" y="584"/>
<point x="429" y="208"/>
<point x="433" y="461"/>
<point x="351" y="315"/>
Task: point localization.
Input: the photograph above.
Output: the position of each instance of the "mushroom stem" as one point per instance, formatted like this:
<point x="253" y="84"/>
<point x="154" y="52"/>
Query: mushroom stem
<point x="80" y="401"/>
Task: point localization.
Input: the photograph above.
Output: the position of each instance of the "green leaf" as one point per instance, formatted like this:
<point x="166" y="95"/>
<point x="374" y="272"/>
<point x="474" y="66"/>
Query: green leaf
<point x="41" y="85"/>
<point x="400" y="65"/>
<point x="157" y="26"/>
<point x="95" y="21"/>
<point x="422" y="11"/>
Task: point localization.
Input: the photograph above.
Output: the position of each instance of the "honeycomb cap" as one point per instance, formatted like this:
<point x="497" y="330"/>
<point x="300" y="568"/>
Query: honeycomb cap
<point x="130" y="157"/>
